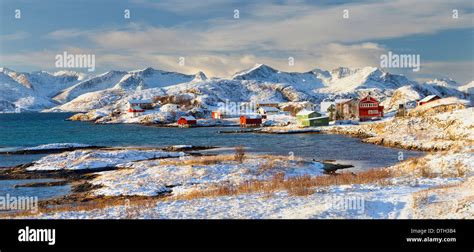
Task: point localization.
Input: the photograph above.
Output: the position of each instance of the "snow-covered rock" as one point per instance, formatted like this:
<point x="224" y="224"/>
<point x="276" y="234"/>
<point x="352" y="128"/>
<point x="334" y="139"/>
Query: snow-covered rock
<point x="95" y="159"/>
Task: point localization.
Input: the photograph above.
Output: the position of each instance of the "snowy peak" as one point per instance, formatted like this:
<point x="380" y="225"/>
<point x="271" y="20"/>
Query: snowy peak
<point x="342" y="72"/>
<point x="77" y="75"/>
<point x="322" y="74"/>
<point x="258" y="72"/>
<point x="263" y="73"/>
<point x="200" y="76"/>
<point x="467" y="88"/>
<point x="444" y="82"/>
<point x="349" y="80"/>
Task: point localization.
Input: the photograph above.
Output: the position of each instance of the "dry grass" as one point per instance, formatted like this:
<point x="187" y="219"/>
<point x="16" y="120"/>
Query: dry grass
<point x="266" y="166"/>
<point x="298" y="186"/>
<point x="434" y="109"/>
<point x="434" y="165"/>
<point x="460" y="169"/>
<point x="239" y="155"/>
<point x="89" y="204"/>
<point x="204" y="160"/>
<point x="421" y="198"/>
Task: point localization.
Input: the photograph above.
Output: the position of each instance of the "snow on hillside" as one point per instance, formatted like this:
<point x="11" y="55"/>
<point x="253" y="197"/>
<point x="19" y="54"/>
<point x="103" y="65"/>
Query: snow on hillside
<point x="444" y="82"/>
<point x="467" y="88"/>
<point x="100" y="82"/>
<point x="19" y="96"/>
<point x="345" y="80"/>
<point x="438" y="185"/>
<point x="438" y="125"/>
<point x="32" y="91"/>
<point x="302" y="81"/>
<point x="410" y="94"/>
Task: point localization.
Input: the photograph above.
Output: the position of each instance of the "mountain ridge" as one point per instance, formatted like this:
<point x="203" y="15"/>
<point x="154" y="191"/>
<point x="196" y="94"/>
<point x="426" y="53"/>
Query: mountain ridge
<point x="59" y="88"/>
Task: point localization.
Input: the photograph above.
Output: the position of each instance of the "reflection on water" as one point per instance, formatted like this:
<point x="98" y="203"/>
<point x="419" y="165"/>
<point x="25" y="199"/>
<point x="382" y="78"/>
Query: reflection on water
<point x="8" y="187"/>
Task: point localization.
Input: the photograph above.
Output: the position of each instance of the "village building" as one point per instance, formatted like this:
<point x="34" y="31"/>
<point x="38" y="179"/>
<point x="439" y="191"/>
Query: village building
<point x="268" y="104"/>
<point x="143" y="104"/>
<point x="401" y="111"/>
<point x="250" y="120"/>
<point x="139" y="106"/>
<point x="347" y="109"/>
<point x="216" y="114"/>
<point x="307" y="118"/>
<point x="187" y="121"/>
<point x="370" y="109"/>
<point x="135" y="109"/>
<point x="427" y="99"/>
<point x="268" y="110"/>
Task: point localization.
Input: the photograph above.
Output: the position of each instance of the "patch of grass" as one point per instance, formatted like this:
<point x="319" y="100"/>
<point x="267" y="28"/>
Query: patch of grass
<point x="239" y="155"/>
<point x="87" y="204"/>
<point x="298" y="186"/>
<point x="266" y="166"/>
<point x="420" y="198"/>
<point x="460" y="169"/>
<point x="203" y="160"/>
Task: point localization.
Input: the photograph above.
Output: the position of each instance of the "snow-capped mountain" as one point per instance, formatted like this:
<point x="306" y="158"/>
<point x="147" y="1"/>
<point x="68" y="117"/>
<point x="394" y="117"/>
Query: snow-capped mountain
<point x="444" y="82"/>
<point x="100" y="82"/>
<point x="33" y="91"/>
<point x="338" y="81"/>
<point x="467" y="88"/>
<point x="143" y="79"/>
<point x="69" y="91"/>
<point x="264" y="73"/>
<point x="411" y="93"/>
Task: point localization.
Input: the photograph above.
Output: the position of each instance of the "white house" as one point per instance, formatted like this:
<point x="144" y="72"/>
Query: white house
<point x="268" y="110"/>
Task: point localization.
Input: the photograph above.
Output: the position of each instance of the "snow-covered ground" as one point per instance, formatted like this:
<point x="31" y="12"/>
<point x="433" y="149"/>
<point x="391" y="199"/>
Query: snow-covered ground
<point x="349" y="202"/>
<point x="57" y="146"/>
<point x="94" y="159"/>
<point x="438" y="185"/>
<point x="150" y="178"/>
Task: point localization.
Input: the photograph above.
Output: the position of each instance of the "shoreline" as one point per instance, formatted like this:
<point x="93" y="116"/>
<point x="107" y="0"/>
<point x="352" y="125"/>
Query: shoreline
<point x="82" y="188"/>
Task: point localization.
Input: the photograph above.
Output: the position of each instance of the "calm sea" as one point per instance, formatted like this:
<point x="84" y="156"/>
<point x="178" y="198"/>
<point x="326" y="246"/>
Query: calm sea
<point x="32" y="129"/>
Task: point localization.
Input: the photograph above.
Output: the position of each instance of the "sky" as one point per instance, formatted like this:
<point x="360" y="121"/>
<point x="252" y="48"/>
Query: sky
<point x="212" y="40"/>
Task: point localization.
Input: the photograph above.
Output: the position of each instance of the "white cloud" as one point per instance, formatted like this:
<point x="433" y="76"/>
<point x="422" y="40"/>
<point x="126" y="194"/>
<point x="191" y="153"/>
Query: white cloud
<point x="67" y="34"/>
<point x="19" y="35"/>
<point x="463" y="70"/>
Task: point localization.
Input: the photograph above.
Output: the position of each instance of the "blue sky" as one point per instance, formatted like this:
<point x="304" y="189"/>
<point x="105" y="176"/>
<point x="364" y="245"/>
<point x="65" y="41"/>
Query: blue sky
<point x="206" y="34"/>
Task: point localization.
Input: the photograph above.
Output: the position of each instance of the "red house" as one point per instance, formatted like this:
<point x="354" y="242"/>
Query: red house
<point x="186" y="121"/>
<point x="250" y="120"/>
<point x="369" y="109"/>
<point x="138" y="106"/>
<point x="216" y="115"/>
<point x="427" y="99"/>
<point x="135" y="109"/>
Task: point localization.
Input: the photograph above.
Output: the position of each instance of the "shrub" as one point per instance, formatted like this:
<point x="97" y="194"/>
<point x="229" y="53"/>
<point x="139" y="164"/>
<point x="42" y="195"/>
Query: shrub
<point x="239" y="155"/>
